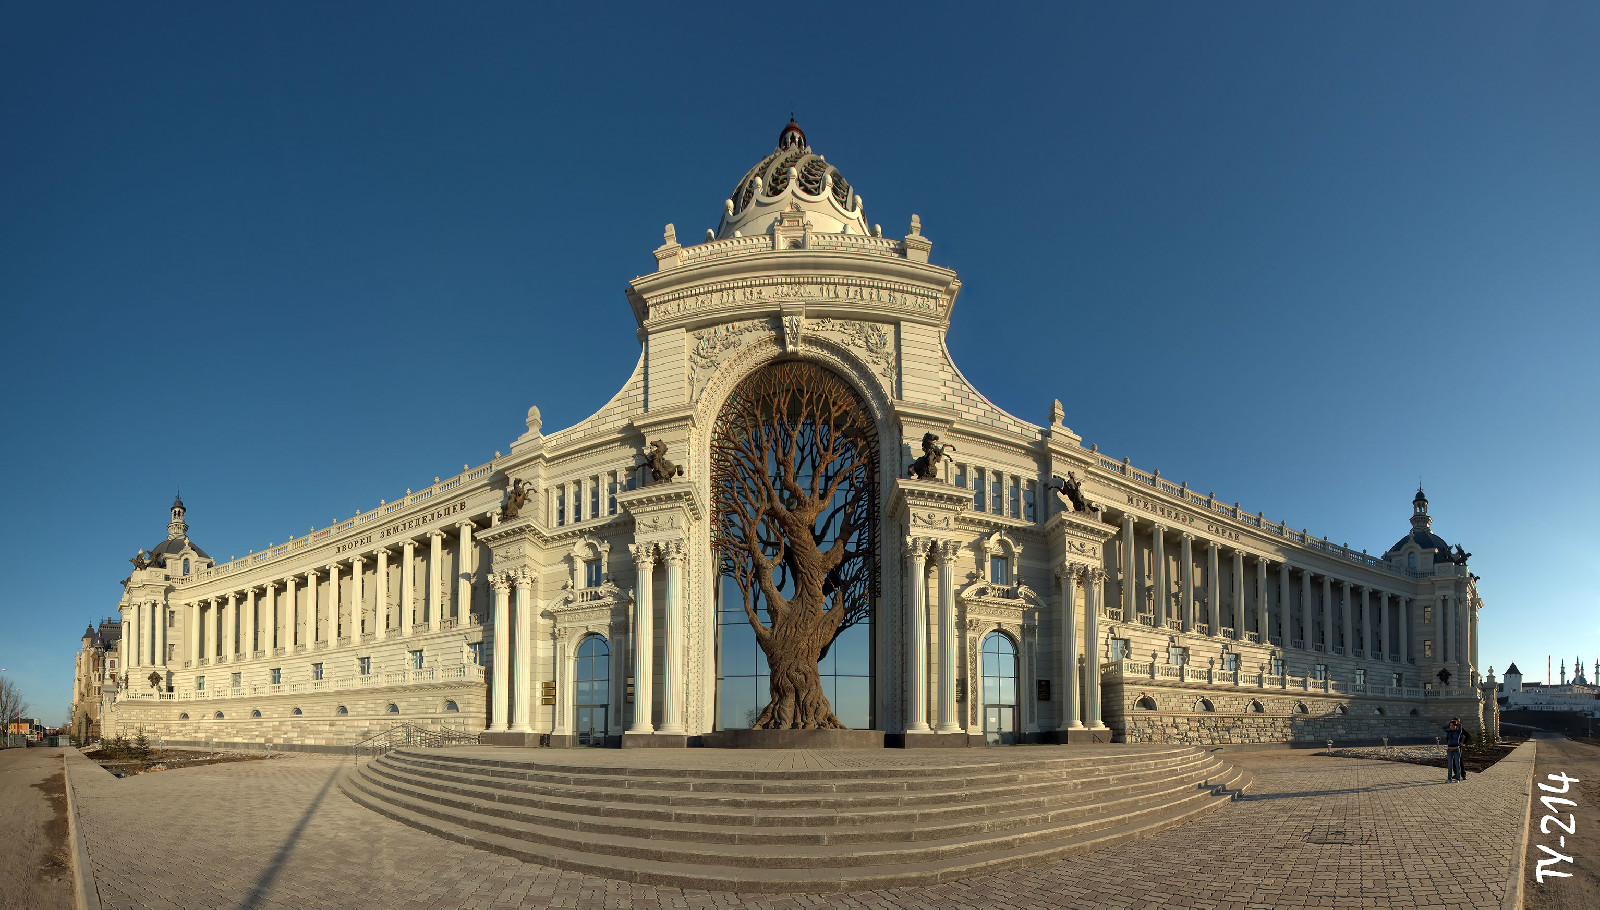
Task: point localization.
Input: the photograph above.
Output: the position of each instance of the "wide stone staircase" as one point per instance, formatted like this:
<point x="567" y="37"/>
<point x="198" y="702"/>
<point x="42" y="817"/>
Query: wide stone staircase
<point x="875" y="822"/>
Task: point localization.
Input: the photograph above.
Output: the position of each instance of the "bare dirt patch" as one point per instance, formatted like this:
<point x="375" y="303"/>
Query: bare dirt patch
<point x="35" y="867"/>
<point x="1475" y="758"/>
<point x="168" y="760"/>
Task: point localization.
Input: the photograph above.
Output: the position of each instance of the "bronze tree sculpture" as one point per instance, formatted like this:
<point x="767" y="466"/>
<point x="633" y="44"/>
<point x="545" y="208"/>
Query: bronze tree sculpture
<point x="794" y="458"/>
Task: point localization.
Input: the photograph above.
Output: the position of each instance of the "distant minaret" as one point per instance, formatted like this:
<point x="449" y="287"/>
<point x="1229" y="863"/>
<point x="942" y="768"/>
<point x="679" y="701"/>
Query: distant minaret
<point x="1563" y="665"/>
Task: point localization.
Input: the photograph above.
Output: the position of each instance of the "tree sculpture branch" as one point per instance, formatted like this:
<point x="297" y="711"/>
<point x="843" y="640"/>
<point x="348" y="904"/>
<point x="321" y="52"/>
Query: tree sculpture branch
<point x="794" y="458"/>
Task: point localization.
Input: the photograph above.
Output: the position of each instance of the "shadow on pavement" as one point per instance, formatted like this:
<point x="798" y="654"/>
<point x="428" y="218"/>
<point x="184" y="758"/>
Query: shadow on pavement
<point x="263" y="884"/>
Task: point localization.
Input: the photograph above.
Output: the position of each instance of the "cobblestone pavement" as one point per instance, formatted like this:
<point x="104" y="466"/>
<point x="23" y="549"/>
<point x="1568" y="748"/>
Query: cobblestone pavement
<point x="1313" y="832"/>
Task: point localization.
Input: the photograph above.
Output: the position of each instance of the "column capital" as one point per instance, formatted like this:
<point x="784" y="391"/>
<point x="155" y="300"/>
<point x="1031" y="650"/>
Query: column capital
<point x="1159" y="528"/>
<point x="436" y="534"/>
<point x="1066" y="570"/>
<point x="947" y="551"/>
<point x="311" y="574"/>
<point x="270" y="586"/>
<point x="673" y="552"/>
<point x="1212" y="545"/>
<point x="409" y="544"/>
<point x="501" y="582"/>
<point x="917" y="548"/>
<point x="357" y="560"/>
<point x="1186" y="535"/>
<point x="465" y="523"/>
<point x="643" y="554"/>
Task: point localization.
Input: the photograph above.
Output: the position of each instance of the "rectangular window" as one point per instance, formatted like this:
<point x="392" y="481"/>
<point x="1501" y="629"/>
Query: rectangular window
<point x="1399" y="680"/>
<point x="364" y="665"/>
<point x="996" y="481"/>
<point x="416" y="659"/>
<point x="1361" y="677"/>
<point x="612" y="487"/>
<point x="237" y="679"/>
<point x="1319" y="672"/>
<point x="594" y="497"/>
<point x="1427" y="647"/>
<point x="1121" y="649"/>
<point x="277" y="675"/>
<point x="978" y="489"/>
<point x="1230" y="662"/>
<point x="1015" y="501"/>
<point x="1427" y="615"/>
<point x="477" y="652"/>
<point x="1176" y="656"/>
<point x="577" y="501"/>
<point x="172" y="618"/>
<point x="199" y="683"/>
<point x="1275" y="667"/>
<point x="961" y="476"/>
<point x="172" y="653"/>
<point x="591" y="573"/>
<point x="1029" y="509"/>
<point x="316" y="671"/>
<point x="997" y="570"/>
<point x="561" y="506"/>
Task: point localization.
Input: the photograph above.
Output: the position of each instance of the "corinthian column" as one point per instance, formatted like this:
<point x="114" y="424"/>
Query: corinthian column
<point x="917" y="647"/>
<point x="435" y="580"/>
<point x="1092" y="584"/>
<point x="1067" y="577"/>
<point x="464" y="575"/>
<point x="501" y="670"/>
<point x="1186" y="578"/>
<point x="408" y="586"/>
<point x="644" y="559"/>
<point x="522" y="684"/>
<point x="946" y="554"/>
<point x="672" y="686"/>
<point x="1158" y="575"/>
<point x="380" y="600"/>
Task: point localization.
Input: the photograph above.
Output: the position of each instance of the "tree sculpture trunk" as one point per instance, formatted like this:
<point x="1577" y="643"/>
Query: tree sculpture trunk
<point x="794" y="457"/>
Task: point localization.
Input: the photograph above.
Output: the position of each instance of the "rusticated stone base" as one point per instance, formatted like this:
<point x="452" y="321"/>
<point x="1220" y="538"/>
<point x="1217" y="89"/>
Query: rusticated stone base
<point x="1078" y="737"/>
<point x="507" y="738"/>
<point x="793" y="739"/>
<point x="654" y="740"/>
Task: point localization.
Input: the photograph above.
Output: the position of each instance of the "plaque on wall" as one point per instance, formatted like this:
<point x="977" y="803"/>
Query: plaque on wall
<point x="1044" y="690"/>
<point x="961" y="688"/>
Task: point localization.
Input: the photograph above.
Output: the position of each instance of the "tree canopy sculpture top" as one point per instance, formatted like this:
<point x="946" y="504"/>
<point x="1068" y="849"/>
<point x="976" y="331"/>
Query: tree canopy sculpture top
<point x="794" y="461"/>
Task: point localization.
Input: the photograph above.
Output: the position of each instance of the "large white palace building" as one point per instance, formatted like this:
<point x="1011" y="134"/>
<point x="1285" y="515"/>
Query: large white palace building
<point x="1029" y="587"/>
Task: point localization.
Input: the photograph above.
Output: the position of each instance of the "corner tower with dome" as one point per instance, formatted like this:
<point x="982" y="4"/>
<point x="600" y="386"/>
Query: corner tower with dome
<point x="797" y="522"/>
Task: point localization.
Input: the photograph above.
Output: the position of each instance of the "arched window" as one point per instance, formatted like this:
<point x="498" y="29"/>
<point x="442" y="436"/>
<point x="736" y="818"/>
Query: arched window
<point x="392" y="709"/>
<point x="1378" y="710"/>
<point x="1411" y="560"/>
<point x="217" y="716"/>
<point x="1146" y="703"/>
<point x="592" y="691"/>
<point x="186" y="566"/>
<point x="296" y="712"/>
<point x="1343" y="709"/>
<point x="183" y="715"/>
<point x="1413" y="712"/>
<point x="1204" y="705"/>
<point x="1255" y="707"/>
<point x="450" y="706"/>
<point x="1300" y="708"/>
<point x="999" y="688"/>
<point x="342" y="710"/>
<point x="256" y="713"/>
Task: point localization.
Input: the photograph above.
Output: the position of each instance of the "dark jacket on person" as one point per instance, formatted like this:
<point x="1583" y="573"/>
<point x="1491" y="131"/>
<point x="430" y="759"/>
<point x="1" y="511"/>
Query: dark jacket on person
<point x="1454" y="737"/>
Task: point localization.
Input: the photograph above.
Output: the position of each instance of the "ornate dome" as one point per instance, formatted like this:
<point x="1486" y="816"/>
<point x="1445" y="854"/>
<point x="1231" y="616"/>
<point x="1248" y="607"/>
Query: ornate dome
<point x="793" y="177"/>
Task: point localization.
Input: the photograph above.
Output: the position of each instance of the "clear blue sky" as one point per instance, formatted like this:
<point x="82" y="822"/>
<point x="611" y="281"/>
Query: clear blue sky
<point x="297" y="258"/>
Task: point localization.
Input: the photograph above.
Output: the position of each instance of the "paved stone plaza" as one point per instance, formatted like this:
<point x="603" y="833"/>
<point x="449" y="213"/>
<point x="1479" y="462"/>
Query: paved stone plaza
<point x="1312" y="832"/>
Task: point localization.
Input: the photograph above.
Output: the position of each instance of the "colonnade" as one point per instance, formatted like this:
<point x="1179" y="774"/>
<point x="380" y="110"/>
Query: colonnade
<point x="1384" y="617"/>
<point x="254" y="622"/>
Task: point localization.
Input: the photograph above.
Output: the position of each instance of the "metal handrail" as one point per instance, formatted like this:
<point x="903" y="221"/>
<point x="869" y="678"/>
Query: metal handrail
<point x="409" y="734"/>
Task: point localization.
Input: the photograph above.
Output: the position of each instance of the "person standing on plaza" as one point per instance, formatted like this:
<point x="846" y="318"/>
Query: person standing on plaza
<point x="1452" y="751"/>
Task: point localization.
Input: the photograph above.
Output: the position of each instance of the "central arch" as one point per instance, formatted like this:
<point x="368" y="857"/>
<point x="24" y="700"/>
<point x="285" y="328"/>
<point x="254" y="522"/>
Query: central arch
<point x="794" y="464"/>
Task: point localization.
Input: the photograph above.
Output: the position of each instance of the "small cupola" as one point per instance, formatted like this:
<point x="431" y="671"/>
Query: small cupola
<point x="1419" y="511"/>
<point x="177" y="529"/>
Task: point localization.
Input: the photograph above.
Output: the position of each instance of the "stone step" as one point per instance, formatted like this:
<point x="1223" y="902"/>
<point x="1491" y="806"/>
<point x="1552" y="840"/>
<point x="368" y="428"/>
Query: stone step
<point x="646" y="791"/>
<point x="857" y="828"/>
<point x="843" y="811"/>
<point x="772" y="781"/>
<point x="757" y="877"/>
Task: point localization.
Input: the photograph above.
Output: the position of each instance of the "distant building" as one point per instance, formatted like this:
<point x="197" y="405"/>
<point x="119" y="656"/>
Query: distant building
<point x="94" y="677"/>
<point x="1580" y="695"/>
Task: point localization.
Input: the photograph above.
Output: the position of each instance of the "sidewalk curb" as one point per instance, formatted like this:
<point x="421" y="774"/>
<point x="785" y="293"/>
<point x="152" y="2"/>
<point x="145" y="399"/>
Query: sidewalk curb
<point x="1512" y="900"/>
<point x="83" y="889"/>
